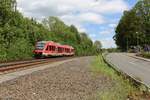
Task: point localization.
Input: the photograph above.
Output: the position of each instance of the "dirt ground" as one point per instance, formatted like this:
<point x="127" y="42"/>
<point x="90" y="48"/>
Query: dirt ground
<point x="69" y="81"/>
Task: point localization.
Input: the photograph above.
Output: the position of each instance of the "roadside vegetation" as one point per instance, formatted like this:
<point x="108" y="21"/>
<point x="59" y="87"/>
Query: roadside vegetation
<point x="145" y="54"/>
<point x="18" y="34"/>
<point x="121" y="88"/>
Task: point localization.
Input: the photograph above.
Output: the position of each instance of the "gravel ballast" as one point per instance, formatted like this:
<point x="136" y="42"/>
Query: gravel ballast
<point x="72" y="80"/>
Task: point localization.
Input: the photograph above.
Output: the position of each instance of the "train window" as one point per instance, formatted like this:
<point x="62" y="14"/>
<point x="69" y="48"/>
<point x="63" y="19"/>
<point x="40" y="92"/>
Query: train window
<point x="65" y="49"/>
<point x="62" y="49"/>
<point x="40" y="46"/>
<point x="53" y="48"/>
<point x="68" y="50"/>
<point x="59" y="49"/>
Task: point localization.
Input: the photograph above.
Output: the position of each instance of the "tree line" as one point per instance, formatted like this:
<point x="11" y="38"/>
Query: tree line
<point x="18" y="34"/>
<point x="134" y="27"/>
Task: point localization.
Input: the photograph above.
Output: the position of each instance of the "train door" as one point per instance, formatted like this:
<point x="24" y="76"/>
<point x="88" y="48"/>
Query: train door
<point x="47" y="50"/>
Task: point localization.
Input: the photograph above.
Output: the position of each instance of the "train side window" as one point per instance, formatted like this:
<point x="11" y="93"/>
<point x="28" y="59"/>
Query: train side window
<point x="53" y="48"/>
<point x="60" y="49"/>
<point x="65" y="50"/>
<point x="68" y="50"/>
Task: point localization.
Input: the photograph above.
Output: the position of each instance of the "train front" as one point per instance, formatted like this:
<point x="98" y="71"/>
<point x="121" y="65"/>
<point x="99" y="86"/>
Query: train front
<point x="39" y="48"/>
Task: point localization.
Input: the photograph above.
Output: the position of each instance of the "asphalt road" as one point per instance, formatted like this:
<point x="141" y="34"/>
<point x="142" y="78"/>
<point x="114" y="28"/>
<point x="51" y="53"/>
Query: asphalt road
<point x="136" y="68"/>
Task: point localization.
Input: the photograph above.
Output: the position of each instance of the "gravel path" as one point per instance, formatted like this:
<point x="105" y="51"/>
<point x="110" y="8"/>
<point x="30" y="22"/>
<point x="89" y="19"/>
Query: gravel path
<point x="69" y="81"/>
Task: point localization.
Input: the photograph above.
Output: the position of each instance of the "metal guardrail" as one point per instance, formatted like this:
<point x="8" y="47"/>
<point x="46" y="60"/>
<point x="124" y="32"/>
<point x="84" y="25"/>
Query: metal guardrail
<point x="145" y="87"/>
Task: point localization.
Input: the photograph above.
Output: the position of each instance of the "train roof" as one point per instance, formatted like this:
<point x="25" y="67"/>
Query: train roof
<point x="57" y="44"/>
<point x="45" y="41"/>
<point x="67" y="46"/>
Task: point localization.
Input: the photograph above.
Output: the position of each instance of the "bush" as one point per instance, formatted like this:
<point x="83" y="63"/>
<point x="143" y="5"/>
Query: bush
<point x="20" y="49"/>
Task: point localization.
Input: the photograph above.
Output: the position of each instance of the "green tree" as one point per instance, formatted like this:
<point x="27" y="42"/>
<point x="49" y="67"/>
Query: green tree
<point x="54" y="24"/>
<point x="98" y="46"/>
<point x="132" y="29"/>
<point x="18" y="34"/>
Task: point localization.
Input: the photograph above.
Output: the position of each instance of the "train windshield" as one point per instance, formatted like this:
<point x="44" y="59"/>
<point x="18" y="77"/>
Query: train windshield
<point x="40" y="46"/>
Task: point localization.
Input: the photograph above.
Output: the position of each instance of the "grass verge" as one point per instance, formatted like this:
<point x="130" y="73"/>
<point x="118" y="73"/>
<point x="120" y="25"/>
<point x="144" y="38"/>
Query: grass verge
<point x="121" y="88"/>
<point x="146" y="55"/>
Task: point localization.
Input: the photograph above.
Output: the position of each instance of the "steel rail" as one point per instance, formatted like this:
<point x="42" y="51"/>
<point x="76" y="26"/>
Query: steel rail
<point x="22" y="64"/>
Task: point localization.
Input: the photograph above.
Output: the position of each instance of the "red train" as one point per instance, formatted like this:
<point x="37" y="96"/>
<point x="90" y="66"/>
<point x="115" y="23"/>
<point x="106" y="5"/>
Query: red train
<point x="50" y="48"/>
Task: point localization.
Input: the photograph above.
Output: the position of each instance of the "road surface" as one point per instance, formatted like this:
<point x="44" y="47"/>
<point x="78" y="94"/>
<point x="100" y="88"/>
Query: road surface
<point x="136" y="68"/>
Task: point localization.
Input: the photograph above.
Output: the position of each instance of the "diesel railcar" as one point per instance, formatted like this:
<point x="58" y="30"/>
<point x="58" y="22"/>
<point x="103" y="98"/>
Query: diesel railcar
<point x="50" y="48"/>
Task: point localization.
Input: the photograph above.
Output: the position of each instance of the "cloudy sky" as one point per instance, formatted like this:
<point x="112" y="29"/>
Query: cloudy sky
<point x="98" y="18"/>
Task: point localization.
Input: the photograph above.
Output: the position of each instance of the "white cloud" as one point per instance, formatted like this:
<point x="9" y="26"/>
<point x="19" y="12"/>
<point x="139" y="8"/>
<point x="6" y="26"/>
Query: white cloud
<point x="77" y="12"/>
<point x="112" y="25"/>
<point x="91" y="18"/>
<point x="110" y="6"/>
<point x="92" y="35"/>
<point x="81" y="28"/>
<point x="37" y="8"/>
<point x="108" y="43"/>
<point x="80" y="19"/>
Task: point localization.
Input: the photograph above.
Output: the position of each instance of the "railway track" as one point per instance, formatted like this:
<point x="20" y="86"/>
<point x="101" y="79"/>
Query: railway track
<point x="23" y="64"/>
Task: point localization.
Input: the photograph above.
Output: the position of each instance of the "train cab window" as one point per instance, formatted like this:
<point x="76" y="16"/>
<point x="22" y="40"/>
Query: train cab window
<point x="47" y="48"/>
<point x="59" y="49"/>
<point x="40" y="46"/>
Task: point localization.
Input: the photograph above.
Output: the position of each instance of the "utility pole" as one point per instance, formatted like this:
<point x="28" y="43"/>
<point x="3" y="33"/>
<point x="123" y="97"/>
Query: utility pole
<point x="127" y="44"/>
<point x="137" y="41"/>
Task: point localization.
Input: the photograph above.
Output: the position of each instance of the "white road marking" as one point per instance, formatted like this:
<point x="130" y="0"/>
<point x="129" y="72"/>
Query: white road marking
<point x="132" y="63"/>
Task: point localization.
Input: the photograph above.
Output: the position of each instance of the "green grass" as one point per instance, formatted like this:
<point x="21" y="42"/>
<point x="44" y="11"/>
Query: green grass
<point x="146" y="54"/>
<point x="121" y="88"/>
